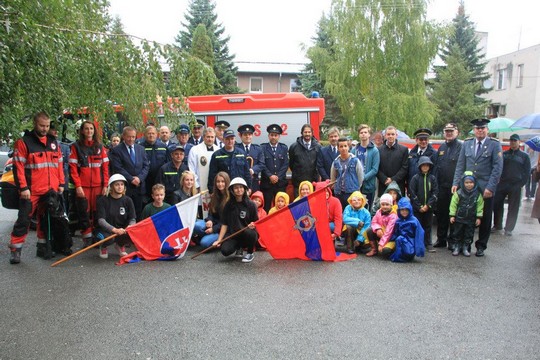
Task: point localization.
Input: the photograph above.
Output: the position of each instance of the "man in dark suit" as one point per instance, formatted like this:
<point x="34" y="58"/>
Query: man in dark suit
<point x="130" y="160"/>
<point x="276" y="163"/>
<point x="328" y="154"/>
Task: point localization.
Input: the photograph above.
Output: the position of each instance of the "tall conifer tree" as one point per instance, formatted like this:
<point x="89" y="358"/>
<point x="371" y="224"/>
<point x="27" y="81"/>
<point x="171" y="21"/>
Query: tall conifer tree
<point x="203" y="12"/>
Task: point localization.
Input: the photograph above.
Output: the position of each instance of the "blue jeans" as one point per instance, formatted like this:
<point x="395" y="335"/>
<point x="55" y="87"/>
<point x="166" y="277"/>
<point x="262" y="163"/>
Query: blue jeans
<point x="206" y="239"/>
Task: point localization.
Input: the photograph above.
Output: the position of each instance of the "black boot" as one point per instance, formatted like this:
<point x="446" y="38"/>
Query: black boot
<point x="15" y="256"/>
<point x="44" y="251"/>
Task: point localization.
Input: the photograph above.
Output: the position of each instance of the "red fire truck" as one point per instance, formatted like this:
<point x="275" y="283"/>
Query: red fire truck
<point x="289" y="110"/>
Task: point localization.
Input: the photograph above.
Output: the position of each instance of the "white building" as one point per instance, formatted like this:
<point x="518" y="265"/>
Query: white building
<point x="515" y="79"/>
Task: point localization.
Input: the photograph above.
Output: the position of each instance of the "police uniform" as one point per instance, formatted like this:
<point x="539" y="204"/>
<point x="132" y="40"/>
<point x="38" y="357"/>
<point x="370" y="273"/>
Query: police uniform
<point x="414" y="154"/>
<point x="486" y="165"/>
<point x="275" y="163"/>
<point x="191" y="140"/>
<point x="222" y="124"/>
<point x="232" y="162"/>
<point x="254" y="156"/>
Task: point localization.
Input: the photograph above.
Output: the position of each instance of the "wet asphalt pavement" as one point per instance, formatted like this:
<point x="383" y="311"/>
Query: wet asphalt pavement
<point x="438" y="307"/>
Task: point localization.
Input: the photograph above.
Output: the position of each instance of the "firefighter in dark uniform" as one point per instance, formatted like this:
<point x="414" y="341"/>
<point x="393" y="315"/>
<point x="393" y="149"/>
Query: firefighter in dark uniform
<point x="254" y="154"/>
<point x="276" y="163"/>
<point x="229" y="159"/>
<point x="483" y="156"/>
<point x="169" y="174"/>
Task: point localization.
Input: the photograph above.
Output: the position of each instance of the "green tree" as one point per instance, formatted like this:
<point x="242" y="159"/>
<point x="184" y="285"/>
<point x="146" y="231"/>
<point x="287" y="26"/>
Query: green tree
<point x="463" y="37"/>
<point x="58" y="55"/>
<point x="380" y="53"/>
<point x="203" y="12"/>
<point x="454" y="93"/>
<point x="202" y="45"/>
<point x="311" y="80"/>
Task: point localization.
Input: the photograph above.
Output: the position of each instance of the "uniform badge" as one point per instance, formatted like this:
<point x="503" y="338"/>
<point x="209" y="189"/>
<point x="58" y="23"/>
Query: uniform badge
<point x="305" y="223"/>
<point x="203" y="160"/>
<point x="53" y="146"/>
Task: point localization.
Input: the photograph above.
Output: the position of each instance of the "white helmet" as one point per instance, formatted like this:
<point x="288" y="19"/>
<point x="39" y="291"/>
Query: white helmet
<point x="237" y="180"/>
<point x="117" y="177"/>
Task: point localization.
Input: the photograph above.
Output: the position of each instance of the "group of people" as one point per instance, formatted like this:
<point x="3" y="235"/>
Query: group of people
<point x="380" y="199"/>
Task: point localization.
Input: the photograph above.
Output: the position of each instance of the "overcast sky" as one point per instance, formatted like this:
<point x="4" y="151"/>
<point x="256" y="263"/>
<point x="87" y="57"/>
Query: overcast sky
<point x="274" y="30"/>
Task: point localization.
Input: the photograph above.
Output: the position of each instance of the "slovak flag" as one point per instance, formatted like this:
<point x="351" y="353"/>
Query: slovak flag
<point x="165" y="235"/>
<point x="300" y="231"/>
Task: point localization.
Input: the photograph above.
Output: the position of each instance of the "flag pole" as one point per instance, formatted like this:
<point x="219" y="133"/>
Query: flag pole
<point x="83" y="250"/>
<point x="215" y="246"/>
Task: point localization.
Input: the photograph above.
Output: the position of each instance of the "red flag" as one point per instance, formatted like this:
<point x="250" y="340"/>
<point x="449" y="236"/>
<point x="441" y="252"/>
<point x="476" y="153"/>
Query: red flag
<point x="300" y="231"/>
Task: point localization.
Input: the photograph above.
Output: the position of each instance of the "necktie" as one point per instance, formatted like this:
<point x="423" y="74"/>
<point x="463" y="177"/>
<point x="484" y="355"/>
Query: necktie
<point x="196" y="141"/>
<point x="479" y="148"/>
<point x="420" y="153"/>
<point x="274" y="150"/>
<point x="132" y="154"/>
<point x="334" y="150"/>
<point x="247" y="149"/>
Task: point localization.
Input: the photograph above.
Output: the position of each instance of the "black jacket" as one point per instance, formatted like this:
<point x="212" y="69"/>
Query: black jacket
<point x="303" y="161"/>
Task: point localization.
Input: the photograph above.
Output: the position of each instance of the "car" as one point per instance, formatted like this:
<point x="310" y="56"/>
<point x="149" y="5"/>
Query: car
<point x="4" y="156"/>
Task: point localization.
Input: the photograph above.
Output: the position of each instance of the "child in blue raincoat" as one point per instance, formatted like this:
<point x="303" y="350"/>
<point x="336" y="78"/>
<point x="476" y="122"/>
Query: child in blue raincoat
<point x="408" y="234"/>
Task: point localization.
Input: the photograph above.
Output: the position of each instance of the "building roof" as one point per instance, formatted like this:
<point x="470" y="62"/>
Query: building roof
<point x="269" y="67"/>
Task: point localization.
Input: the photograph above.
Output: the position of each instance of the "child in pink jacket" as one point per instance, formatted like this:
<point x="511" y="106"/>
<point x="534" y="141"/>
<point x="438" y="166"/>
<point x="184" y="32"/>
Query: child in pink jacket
<point x="382" y="227"/>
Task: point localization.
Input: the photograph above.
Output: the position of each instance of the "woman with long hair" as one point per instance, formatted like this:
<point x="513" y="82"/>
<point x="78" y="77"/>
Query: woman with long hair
<point x="187" y="187"/>
<point x="208" y="229"/>
<point x="89" y="172"/>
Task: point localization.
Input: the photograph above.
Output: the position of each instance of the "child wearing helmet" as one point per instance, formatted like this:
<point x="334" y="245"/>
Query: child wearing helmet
<point x="424" y="191"/>
<point x="115" y="212"/>
<point x="239" y="212"/>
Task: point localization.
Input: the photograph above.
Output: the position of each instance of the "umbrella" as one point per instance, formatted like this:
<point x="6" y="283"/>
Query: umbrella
<point x="499" y="124"/>
<point x="534" y="143"/>
<point x="531" y="121"/>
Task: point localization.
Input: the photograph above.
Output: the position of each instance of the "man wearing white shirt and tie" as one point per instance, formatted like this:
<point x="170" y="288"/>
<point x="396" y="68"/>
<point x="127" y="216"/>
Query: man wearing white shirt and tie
<point x="483" y="156"/>
<point x="327" y="154"/>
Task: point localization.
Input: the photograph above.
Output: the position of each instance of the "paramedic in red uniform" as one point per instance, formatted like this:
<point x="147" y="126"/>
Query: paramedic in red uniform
<point x="89" y="170"/>
<point x="37" y="168"/>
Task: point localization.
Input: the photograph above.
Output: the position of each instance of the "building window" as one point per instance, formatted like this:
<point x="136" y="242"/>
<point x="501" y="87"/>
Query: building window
<point x="295" y="87"/>
<point x="501" y="79"/>
<point x="519" y="75"/>
<point x="256" y="85"/>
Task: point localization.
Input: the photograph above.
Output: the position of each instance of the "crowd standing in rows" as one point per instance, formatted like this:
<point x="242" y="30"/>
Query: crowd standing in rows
<point x="381" y="199"/>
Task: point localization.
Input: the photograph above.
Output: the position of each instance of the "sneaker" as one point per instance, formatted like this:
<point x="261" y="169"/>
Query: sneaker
<point x="495" y="229"/>
<point x="507" y="233"/>
<point x="103" y="253"/>
<point x="248" y="258"/>
<point x="430" y="248"/>
<point x="340" y="241"/>
<point x="239" y="253"/>
<point x="121" y="250"/>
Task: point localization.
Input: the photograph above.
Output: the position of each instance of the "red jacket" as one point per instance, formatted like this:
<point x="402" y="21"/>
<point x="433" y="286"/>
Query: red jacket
<point x="37" y="164"/>
<point x="88" y="167"/>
